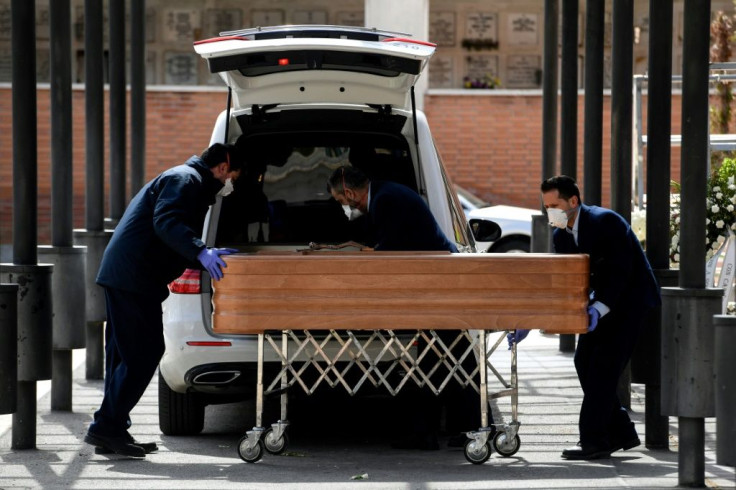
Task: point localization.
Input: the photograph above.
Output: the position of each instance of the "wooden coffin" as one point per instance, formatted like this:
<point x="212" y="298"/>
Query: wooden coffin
<point x="390" y="290"/>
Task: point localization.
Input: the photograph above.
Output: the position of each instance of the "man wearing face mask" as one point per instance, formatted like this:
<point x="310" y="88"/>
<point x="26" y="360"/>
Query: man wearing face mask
<point x="623" y="290"/>
<point x="401" y="220"/>
<point x="157" y="238"/>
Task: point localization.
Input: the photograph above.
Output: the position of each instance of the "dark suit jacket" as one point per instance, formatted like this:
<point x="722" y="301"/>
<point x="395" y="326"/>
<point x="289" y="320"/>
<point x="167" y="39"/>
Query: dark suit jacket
<point x="159" y="234"/>
<point x="401" y="220"/>
<point x="620" y="274"/>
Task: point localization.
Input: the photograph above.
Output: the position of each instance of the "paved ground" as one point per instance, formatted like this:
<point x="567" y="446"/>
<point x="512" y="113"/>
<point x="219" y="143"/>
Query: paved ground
<point x="329" y="448"/>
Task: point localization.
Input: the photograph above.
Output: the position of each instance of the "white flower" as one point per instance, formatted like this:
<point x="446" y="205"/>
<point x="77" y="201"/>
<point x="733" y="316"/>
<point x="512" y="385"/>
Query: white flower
<point x="719" y="195"/>
<point x="676" y="239"/>
<point x="677" y="257"/>
<point x="720" y="224"/>
<point x="733" y="226"/>
<point x="730" y="180"/>
<point x="721" y="239"/>
<point x="730" y="208"/>
<point x="715" y="245"/>
<point x="714" y="209"/>
<point x="716" y="189"/>
<point x="707" y="221"/>
<point x="731" y="187"/>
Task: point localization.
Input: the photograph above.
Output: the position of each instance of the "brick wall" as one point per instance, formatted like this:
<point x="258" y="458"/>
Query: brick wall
<point x="178" y="125"/>
<point x="491" y="144"/>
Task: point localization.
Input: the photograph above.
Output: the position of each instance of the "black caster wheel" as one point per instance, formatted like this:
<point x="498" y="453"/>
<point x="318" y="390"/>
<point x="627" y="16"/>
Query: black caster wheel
<point x="249" y="453"/>
<point x="504" y="446"/>
<point x="475" y="453"/>
<point x="275" y="445"/>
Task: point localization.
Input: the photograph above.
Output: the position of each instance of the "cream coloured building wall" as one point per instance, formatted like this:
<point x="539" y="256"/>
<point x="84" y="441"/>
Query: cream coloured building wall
<point x="499" y="38"/>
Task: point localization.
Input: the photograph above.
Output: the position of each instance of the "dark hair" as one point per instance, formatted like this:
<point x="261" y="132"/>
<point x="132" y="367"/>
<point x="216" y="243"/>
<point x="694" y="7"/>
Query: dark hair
<point x="565" y="185"/>
<point x="219" y="152"/>
<point x="346" y="176"/>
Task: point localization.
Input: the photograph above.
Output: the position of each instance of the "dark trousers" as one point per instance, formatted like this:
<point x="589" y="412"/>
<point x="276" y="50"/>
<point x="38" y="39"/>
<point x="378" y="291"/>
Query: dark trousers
<point x="600" y="358"/>
<point x="133" y="349"/>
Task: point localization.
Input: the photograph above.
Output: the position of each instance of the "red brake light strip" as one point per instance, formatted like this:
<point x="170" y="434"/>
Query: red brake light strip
<point x="223" y="38"/>
<point x="407" y="40"/>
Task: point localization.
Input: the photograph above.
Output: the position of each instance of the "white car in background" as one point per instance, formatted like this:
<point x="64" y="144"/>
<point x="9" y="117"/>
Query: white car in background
<point x="515" y="223"/>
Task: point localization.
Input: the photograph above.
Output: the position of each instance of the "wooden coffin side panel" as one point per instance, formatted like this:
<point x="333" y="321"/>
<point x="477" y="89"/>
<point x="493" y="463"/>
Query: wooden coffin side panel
<point x="385" y="290"/>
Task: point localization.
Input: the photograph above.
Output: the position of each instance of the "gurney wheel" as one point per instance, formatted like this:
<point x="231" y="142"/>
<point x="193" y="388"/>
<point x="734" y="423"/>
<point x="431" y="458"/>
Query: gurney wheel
<point x="273" y="445"/>
<point x="504" y="446"/>
<point x="477" y="454"/>
<point x="248" y="453"/>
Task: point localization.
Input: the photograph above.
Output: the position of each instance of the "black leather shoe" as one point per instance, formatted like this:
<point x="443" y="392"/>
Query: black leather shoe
<point x="148" y="447"/>
<point x="625" y="445"/>
<point x="586" y="452"/>
<point x="416" y="441"/>
<point x="118" y="445"/>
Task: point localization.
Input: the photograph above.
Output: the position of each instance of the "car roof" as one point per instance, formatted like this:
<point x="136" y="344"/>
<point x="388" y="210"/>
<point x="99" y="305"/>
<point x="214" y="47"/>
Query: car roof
<point x="317" y="64"/>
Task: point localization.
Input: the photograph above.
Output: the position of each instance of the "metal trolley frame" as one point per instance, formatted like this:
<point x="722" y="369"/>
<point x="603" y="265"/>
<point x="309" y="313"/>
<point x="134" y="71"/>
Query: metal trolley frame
<point x="376" y="356"/>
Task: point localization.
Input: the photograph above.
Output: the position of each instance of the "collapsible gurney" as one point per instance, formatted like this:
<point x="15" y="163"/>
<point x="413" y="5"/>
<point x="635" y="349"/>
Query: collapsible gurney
<point x="355" y="318"/>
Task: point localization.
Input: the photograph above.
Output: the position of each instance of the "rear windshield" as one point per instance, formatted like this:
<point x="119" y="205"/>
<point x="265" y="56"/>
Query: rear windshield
<point x="283" y="199"/>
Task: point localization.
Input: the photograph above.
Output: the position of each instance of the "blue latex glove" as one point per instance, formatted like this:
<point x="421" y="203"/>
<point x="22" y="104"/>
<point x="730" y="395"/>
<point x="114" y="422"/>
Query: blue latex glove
<point x="516" y="336"/>
<point x="211" y="261"/>
<point x="593" y="317"/>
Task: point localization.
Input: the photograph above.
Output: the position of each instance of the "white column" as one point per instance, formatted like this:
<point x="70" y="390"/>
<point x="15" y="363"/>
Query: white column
<point x="408" y="16"/>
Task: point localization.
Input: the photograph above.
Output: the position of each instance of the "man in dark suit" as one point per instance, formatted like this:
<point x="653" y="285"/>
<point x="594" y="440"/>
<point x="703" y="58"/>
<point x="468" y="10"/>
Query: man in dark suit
<point x="401" y="220"/>
<point x="157" y="238"/>
<point x="623" y="289"/>
<point x="399" y="217"/>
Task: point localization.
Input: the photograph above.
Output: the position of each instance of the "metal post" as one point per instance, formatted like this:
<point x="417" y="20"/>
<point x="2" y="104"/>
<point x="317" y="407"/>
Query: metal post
<point x="690" y="456"/>
<point x="568" y="114"/>
<point x="25" y="143"/>
<point x="61" y="123"/>
<point x="687" y="371"/>
<point x="117" y="110"/>
<point x="593" y="131"/>
<point x="94" y="99"/>
<point x="24" y="418"/>
<point x="725" y="366"/>
<point x="68" y="324"/>
<point x="549" y="89"/>
<point x="541" y="235"/>
<point x="569" y="90"/>
<point x="34" y="343"/>
<point x="659" y="108"/>
<point x="695" y="120"/>
<point x="94" y="237"/>
<point x="621" y="106"/>
<point x="646" y="368"/>
<point x="8" y="348"/>
<point x="67" y="290"/>
<point x="621" y="114"/>
<point x="34" y="308"/>
<point x="94" y="299"/>
<point x="137" y="95"/>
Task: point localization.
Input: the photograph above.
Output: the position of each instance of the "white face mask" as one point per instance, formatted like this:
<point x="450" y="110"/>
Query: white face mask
<point x="351" y="213"/>
<point x="227" y="189"/>
<point x="557" y="217"/>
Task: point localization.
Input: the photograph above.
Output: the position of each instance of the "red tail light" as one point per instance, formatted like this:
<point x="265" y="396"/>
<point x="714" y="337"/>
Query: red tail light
<point x="187" y="283"/>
